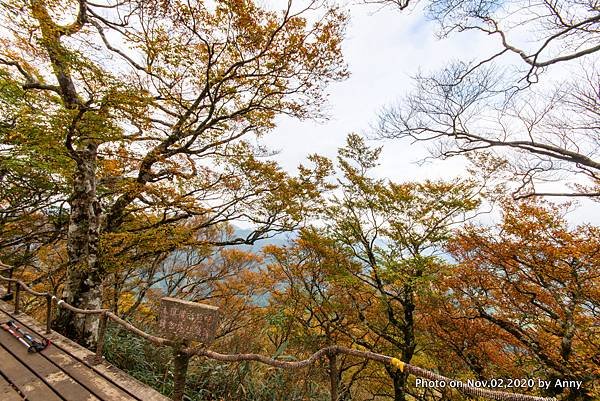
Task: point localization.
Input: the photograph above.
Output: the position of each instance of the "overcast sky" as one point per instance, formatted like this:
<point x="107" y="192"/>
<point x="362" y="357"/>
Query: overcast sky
<point x="384" y="48"/>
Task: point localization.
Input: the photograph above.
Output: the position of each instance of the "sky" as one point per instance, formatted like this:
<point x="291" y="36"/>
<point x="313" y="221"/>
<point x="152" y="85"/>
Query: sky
<point x="384" y="48"/>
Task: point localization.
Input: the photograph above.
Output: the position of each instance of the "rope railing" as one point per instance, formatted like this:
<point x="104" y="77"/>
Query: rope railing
<point x="188" y="352"/>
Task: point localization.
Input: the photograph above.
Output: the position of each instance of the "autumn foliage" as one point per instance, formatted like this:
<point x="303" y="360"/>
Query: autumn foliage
<point x="131" y="168"/>
<point x="528" y="294"/>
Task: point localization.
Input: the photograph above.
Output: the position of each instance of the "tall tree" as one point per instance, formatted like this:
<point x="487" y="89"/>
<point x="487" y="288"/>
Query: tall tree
<point x="531" y="285"/>
<point x="157" y="106"/>
<point x="393" y="234"/>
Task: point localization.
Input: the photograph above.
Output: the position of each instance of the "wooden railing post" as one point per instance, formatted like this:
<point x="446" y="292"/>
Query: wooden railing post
<point x="181" y="362"/>
<point x="9" y="275"/>
<point x="101" y="337"/>
<point x="334" y="380"/>
<point x="48" y="313"/>
<point x="17" y="297"/>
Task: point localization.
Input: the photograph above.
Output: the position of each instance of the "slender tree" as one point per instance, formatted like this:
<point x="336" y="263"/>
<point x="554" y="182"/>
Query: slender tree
<point x="310" y="296"/>
<point x="391" y="235"/>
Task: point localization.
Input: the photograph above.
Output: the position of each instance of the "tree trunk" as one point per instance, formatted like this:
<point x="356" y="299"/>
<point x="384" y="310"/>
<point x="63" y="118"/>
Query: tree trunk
<point x="84" y="276"/>
<point x="334" y="378"/>
<point x="408" y="348"/>
<point x="399" y="380"/>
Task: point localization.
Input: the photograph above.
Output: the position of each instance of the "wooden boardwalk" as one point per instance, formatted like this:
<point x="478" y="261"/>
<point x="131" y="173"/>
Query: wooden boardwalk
<point x="62" y="372"/>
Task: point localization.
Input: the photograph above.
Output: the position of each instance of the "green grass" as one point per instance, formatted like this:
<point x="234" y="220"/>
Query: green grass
<point x="208" y="380"/>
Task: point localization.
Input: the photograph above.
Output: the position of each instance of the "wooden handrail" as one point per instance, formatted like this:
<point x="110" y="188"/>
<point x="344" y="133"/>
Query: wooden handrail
<point x="327" y="351"/>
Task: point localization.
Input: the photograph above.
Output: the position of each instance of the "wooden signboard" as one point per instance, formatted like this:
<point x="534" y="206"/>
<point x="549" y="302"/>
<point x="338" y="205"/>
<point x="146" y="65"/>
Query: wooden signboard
<point x="184" y="320"/>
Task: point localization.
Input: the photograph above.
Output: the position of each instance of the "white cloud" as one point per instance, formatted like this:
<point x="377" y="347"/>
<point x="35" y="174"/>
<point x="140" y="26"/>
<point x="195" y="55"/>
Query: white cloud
<point x="384" y="50"/>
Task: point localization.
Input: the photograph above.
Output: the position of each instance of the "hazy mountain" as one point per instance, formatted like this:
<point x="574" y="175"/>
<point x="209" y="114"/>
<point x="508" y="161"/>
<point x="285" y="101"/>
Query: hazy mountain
<point x="279" y="239"/>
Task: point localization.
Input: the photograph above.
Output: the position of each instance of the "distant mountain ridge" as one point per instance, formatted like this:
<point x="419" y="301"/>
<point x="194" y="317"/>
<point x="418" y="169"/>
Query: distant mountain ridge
<point x="279" y="239"/>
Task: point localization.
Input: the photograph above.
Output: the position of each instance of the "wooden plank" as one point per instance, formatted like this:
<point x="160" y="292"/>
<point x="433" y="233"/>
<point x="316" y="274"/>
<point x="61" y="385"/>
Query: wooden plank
<point x="87" y="376"/>
<point x="54" y="376"/>
<point x="7" y="392"/>
<point x="29" y="384"/>
<point x="117" y="385"/>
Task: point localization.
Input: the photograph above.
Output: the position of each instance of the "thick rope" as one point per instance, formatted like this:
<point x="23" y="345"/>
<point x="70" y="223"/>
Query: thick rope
<point x="398" y="364"/>
<point x="332" y="350"/>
